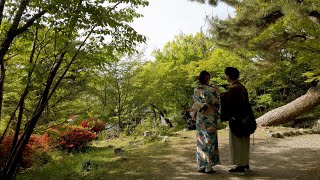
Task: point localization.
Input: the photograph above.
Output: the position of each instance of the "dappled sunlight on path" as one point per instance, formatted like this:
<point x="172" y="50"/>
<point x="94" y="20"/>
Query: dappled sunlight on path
<point x="289" y="158"/>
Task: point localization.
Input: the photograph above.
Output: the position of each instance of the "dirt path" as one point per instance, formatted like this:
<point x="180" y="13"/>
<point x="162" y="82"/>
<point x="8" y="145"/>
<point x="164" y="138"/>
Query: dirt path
<point x="289" y="158"/>
<point x="295" y="157"/>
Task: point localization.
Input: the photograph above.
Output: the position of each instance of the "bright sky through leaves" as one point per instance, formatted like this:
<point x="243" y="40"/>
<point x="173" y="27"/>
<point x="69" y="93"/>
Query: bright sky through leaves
<point x="163" y="19"/>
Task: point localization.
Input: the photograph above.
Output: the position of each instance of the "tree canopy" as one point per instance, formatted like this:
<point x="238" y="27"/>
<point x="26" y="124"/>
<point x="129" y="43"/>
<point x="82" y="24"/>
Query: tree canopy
<point x="83" y="61"/>
<point x="42" y="48"/>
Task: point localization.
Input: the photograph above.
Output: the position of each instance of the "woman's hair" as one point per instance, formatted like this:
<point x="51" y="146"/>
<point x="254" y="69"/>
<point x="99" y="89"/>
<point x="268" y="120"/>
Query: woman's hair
<point x="202" y="76"/>
<point x="232" y="72"/>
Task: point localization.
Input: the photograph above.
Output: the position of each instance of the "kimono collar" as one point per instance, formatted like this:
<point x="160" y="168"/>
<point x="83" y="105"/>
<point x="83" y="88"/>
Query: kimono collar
<point x="202" y="86"/>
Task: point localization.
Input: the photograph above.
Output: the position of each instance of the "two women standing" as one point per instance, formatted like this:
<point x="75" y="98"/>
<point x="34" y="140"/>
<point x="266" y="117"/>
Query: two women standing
<point x="205" y="111"/>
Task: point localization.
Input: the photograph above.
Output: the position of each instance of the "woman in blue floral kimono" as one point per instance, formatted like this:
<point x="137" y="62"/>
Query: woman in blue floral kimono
<point x="205" y="110"/>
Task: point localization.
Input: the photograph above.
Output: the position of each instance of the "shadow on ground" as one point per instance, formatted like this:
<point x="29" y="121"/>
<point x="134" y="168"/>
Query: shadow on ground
<point x="270" y="159"/>
<point x="289" y="158"/>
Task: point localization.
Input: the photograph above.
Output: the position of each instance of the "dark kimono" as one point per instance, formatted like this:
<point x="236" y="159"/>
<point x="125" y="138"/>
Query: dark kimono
<point x="233" y="106"/>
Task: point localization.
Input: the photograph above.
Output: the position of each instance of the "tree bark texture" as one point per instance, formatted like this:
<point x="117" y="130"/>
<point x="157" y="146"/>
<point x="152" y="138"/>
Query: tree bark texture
<point x="292" y="110"/>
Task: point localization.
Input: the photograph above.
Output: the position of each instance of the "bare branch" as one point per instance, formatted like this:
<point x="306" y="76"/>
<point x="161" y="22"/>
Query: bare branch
<point x="30" y="22"/>
<point x="12" y="56"/>
<point x="70" y="63"/>
<point x="17" y="17"/>
<point x="116" y="5"/>
<point x="2" y="3"/>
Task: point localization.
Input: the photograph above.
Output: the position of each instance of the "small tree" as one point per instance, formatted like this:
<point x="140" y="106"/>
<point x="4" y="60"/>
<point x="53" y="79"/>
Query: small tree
<point x="60" y="46"/>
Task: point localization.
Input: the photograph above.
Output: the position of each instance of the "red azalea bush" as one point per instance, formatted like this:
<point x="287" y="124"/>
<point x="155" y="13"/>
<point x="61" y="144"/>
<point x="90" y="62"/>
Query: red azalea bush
<point x="75" y="138"/>
<point x="67" y="137"/>
<point x="94" y="125"/>
<point x="33" y="149"/>
<point x="52" y="136"/>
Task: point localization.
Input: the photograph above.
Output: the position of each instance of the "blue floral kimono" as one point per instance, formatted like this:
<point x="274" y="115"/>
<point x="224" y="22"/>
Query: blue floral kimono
<point x="205" y="110"/>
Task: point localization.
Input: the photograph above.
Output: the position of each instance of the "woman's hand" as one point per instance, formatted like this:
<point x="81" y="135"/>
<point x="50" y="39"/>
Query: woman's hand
<point x="217" y="88"/>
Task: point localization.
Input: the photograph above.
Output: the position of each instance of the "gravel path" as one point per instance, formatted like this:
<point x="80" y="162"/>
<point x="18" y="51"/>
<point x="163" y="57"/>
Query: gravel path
<point x="296" y="157"/>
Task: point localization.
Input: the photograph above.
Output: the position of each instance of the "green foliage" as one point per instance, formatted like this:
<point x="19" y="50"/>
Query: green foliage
<point x="34" y="54"/>
<point x="153" y="128"/>
<point x="215" y="2"/>
<point x="279" y="39"/>
<point x="222" y="125"/>
<point x="100" y="158"/>
<point x="185" y="49"/>
<point x="168" y="82"/>
<point x="164" y="86"/>
<point x="110" y="89"/>
<point x="265" y="100"/>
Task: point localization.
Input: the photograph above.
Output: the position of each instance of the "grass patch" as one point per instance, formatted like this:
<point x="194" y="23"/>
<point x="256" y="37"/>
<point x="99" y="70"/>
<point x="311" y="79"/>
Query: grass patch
<point x="140" y="158"/>
<point x="100" y="161"/>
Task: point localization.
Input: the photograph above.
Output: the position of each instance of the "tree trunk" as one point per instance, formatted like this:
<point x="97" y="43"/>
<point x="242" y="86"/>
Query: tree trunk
<point x="12" y="33"/>
<point x="292" y="110"/>
<point x="10" y="168"/>
<point x="2" y="77"/>
<point x="164" y="116"/>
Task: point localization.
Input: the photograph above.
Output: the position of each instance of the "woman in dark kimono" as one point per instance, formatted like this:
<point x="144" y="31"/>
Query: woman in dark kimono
<point x="204" y="111"/>
<point x="233" y="107"/>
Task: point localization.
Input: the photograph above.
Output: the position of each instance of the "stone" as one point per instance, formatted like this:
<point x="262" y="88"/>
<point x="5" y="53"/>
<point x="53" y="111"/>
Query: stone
<point x="276" y="135"/>
<point x="86" y="165"/>
<point x="146" y="133"/>
<point x="110" y="146"/>
<point x="117" y="151"/>
<point x="164" y="139"/>
<point x="288" y="133"/>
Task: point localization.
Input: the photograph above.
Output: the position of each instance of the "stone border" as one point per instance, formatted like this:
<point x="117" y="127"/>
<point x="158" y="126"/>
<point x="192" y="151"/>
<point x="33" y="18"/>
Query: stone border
<point x="290" y="133"/>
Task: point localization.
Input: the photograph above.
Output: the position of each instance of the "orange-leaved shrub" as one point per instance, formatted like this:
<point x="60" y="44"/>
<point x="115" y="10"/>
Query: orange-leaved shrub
<point x="75" y="138"/>
<point x="34" y="151"/>
<point x="68" y="137"/>
<point x="94" y="125"/>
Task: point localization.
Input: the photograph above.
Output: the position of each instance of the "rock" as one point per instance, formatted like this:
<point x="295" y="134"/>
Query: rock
<point x="297" y="132"/>
<point x="124" y="158"/>
<point x="288" y="133"/>
<point x="86" y="165"/>
<point x="146" y="133"/>
<point x="110" y="146"/>
<point x="276" y="135"/>
<point x="300" y="132"/>
<point x="312" y="131"/>
<point x="317" y="125"/>
<point x="117" y="151"/>
<point x="303" y="131"/>
<point x="316" y="131"/>
<point x="164" y="139"/>
<point x="306" y="131"/>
